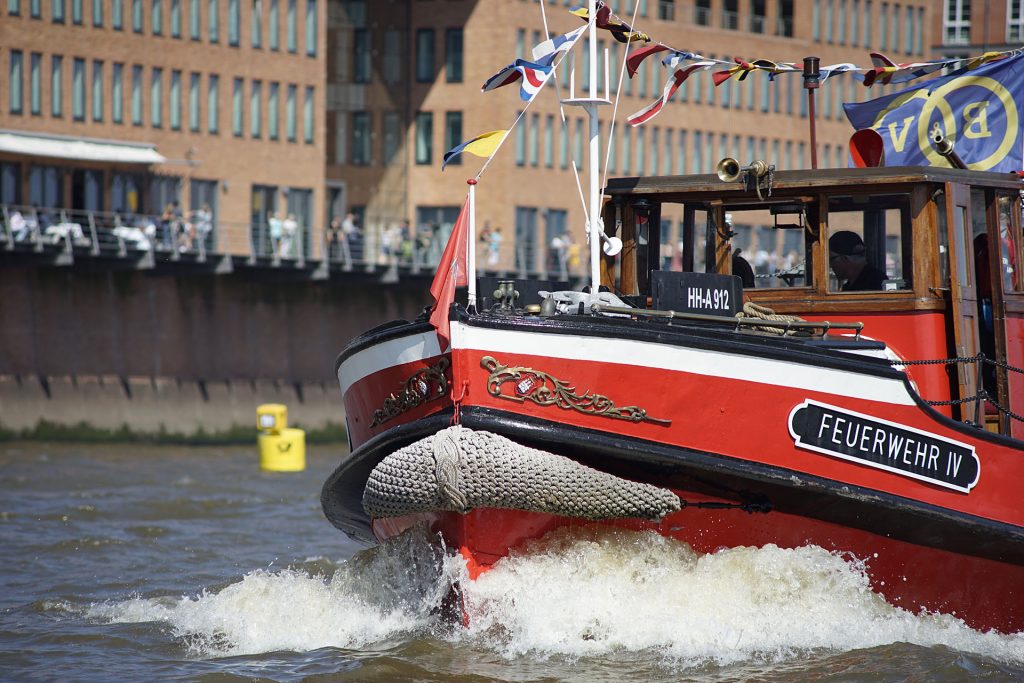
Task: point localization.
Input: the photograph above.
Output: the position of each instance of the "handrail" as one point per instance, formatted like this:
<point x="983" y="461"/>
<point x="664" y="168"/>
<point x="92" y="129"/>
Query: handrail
<point x="823" y="325"/>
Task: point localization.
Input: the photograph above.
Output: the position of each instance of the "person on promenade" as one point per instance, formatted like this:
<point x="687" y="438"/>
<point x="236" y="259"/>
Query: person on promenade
<point x="275" y="227"/>
<point x="494" y="247"/>
<point x="352" y="235"/>
<point x="202" y="222"/>
<point x="289" y="230"/>
<point x="166" y="225"/>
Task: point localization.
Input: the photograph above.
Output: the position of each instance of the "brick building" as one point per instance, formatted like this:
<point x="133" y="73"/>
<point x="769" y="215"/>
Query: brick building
<point x="115" y="109"/>
<point x="971" y="27"/>
<point x="404" y="86"/>
<point x="318" y="107"/>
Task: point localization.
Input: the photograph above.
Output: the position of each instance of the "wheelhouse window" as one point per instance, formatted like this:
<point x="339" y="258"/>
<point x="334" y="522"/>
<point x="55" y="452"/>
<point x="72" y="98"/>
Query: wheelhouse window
<point x="869" y="242"/>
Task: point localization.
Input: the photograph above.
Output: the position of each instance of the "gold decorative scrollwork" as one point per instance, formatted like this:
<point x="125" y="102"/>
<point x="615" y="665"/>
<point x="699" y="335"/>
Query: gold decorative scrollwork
<point x="544" y="390"/>
<point x="427" y="384"/>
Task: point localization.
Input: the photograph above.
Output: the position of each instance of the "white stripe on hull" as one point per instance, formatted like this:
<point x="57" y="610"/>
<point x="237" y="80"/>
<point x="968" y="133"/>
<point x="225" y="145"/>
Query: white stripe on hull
<point x="631" y="353"/>
<point x="393" y="352"/>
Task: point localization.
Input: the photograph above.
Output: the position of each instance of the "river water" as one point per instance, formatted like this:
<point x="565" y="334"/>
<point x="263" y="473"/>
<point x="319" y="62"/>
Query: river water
<point x="189" y="564"/>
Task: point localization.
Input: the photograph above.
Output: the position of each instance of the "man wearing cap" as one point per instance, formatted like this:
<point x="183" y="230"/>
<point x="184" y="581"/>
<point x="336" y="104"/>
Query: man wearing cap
<point x="847" y="259"/>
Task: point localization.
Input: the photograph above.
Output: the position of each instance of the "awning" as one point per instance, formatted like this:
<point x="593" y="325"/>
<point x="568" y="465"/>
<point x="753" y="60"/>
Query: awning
<point x="84" y="149"/>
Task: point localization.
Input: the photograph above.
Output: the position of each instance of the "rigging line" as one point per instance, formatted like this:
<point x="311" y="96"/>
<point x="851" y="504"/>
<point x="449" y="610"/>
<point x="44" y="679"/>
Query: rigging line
<point x="618" y="91"/>
<point x="521" y="115"/>
<point x="561" y="110"/>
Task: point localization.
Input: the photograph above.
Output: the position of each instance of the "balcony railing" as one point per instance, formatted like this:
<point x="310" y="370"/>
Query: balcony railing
<point x="386" y="246"/>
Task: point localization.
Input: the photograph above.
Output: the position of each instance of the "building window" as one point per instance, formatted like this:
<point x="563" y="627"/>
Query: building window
<point x="841" y="31"/>
<point x="758" y="20"/>
<point x="361" y="138"/>
<point x="36" y="8"/>
<point x="14" y="7"/>
<point x="117" y="14"/>
<point x="425" y="137"/>
<point x="213" y="20"/>
<point x="627" y="150"/>
<point x="193" y="19"/>
<point x="237" y="116"/>
<point x="193" y="102"/>
<point x="453" y="133"/>
<point x="289" y="114"/>
<point x="394" y="56"/>
<point x="361" y="67"/>
<point x="156" y="18"/>
<point x="273" y="26"/>
<point x="76" y="12"/>
<point x="175" y="100"/>
<point x="137" y="16"/>
<point x="816" y="21"/>
<point x="883" y="27"/>
<point x="784" y="22"/>
<point x="549" y="141"/>
<point x="896" y="34"/>
<point x="681" y="156"/>
<point x="866" y="25"/>
<point x="641" y="149"/>
<point x="731" y="14"/>
<point x="829" y="20"/>
<point x="520" y="141"/>
<point x="1015" y="21"/>
<point x="35" y="84"/>
<point x="701" y="13"/>
<point x="311" y="28"/>
<point x="15" y="84"/>
<point x="234" y="23"/>
<point x="256" y="23"/>
<point x="290" y="27"/>
<point x="97" y="13"/>
<point x="307" y="117"/>
<point x="563" y="145"/>
<point x="78" y="89"/>
<point x="424" y="55"/>
<point x="136" y="95"/>
<point x="392" y="136"/>
<point x="213" y="104"/>
<point x="667" y="10"/>
<point x="97" y="90"/>
<point x="175" y="18"/>
<point x="453" y="55"/>
<point x="534" y="133"/>
<point x="57" y="8"/>
<point x="908" y="31"/>
<point x="255" y="119"/>
<point x="273" y="112"/>
<point x="156" y="98"/>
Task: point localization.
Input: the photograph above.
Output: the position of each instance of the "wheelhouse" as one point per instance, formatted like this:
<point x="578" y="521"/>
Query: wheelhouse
<point x="934" y="268"/>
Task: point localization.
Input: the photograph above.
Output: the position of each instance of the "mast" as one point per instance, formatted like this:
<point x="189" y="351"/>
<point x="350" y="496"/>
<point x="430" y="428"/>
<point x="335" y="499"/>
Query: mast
<point x="590" y="105"/>
<point x="592" y="161"/>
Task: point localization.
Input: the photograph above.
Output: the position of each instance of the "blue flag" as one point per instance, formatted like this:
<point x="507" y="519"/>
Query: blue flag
<point x="979" y="110"/>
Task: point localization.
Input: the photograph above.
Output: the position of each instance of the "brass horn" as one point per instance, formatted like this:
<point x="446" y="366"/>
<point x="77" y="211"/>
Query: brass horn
<point x="729" y="170"/>
<point x="759" y="175"/>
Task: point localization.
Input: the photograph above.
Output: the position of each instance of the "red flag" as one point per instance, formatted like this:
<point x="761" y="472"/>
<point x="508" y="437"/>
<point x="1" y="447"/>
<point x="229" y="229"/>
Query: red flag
<point x="451" y="273"/>
<point x="637" y="56"/>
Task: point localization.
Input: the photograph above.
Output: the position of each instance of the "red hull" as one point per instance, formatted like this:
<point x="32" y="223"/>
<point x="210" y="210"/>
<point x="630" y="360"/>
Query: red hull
<point x="726" y="413"/>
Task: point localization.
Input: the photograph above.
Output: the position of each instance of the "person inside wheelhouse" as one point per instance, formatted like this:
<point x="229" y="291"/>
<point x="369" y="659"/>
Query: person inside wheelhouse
<point x="848" y="259"/>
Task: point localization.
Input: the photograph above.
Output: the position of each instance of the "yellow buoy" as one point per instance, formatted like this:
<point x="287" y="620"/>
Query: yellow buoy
<point x="282" y="448"/>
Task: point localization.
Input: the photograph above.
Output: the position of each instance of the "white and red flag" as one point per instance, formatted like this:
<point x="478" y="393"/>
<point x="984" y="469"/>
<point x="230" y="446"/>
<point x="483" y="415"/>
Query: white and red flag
<point x="451" y="273"/>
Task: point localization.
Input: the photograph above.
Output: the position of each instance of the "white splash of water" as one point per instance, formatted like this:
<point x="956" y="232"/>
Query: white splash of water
<point x="585" y="592"/>
<point x="382" y="593"/>
<point x="575" y="593"/>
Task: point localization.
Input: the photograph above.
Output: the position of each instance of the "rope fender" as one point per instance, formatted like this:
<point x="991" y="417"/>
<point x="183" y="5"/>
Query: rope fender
<point x="458" y="469"/>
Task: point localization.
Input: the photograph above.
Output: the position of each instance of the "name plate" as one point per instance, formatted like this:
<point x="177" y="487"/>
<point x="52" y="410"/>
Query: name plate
<point x="704" y="293"/>
<point x="884" y="445"/>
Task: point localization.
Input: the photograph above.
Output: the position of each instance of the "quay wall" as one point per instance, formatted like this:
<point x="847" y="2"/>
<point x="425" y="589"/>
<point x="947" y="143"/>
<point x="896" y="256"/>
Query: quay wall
<point x="170" y="353"/>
